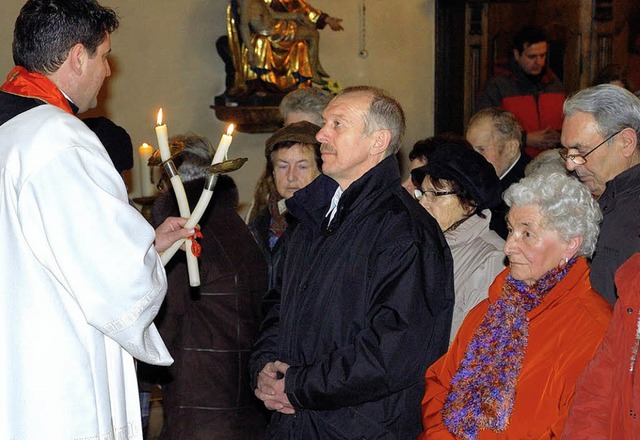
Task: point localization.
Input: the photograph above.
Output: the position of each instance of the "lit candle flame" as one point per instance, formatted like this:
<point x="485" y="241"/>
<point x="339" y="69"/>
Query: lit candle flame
<point x="159" y="120"/>
<point x="229" y="129"/>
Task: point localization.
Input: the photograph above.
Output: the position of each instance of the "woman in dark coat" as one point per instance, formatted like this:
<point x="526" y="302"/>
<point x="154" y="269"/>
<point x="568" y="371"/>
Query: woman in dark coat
<point x="210" y="332"/>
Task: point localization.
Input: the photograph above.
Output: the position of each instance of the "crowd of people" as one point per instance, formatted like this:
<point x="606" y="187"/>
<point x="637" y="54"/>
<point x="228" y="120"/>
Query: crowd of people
<point x="490" y="295"/>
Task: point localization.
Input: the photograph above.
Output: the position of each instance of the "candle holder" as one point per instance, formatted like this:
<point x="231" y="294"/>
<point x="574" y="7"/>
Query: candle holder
<point x="156" y="159"/>
<point x="227" y="166"/>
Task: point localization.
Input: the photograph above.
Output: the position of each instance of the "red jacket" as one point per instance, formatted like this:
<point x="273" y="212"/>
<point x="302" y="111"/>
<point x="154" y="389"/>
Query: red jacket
<point x="564" y="332"/>
<point x="607" y="402"/>
<point x="536" y="102"/>
<point x="536" y="113"/>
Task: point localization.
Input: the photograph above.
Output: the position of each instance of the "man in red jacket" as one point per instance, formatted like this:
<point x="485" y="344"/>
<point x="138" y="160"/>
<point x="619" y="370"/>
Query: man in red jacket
<point x="528" y="88"/>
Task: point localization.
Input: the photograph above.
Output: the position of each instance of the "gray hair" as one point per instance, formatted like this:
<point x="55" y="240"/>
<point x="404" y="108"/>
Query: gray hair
<point x="613" y="108"/>
<point x="566" y="204"/>
<point x="384" y="113"/>
<point x="504" y="123"/>
<point x="309" y="100"/>
<point x="547" y="162"/>
<point x="195" y="157"/>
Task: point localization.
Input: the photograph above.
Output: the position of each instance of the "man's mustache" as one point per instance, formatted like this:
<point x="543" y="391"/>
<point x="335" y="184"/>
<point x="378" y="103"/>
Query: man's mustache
<point x="324" y="148"/>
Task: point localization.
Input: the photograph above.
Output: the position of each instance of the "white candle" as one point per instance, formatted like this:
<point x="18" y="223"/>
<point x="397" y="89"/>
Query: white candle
<point x="163" y="138"/>
<point x="181" y="197"/>
<point x="193" y="220"/>
<point x="223" y="146"/>
<point x="205" y="197"/>
<point x="165" y="155"/>
<point x="147" y="188"/>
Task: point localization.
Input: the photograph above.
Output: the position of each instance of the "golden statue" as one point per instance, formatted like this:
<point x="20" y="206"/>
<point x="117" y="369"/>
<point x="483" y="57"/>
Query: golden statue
<point x="275" y="43"/>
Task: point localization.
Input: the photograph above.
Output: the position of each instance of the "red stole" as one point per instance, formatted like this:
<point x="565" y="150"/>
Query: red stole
<point x="35" y="85"/>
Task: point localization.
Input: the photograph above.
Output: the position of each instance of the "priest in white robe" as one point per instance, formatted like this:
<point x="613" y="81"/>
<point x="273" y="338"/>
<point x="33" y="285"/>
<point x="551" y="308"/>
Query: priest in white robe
<point x="80" y="275"/>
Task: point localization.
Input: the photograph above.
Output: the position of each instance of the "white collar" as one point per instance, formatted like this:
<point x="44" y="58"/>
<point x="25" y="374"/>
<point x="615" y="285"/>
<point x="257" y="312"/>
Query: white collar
<point x="511" y="166"/>
<point x="333" y="208"/>
<point x="67" y="96"/>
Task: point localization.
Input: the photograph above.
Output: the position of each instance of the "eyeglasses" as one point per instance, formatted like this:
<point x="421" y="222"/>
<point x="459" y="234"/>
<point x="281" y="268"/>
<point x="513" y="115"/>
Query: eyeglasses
<point x="581" y="159"/>
<point x="430" y="195"/>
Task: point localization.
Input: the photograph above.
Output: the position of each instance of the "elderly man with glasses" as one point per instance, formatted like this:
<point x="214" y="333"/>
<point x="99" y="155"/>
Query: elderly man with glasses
<point x="600" y="139"/>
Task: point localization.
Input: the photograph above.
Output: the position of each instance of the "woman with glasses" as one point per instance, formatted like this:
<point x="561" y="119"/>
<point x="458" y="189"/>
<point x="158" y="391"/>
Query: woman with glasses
<point x="458" y="186"/>
<point x="510" y="373"/>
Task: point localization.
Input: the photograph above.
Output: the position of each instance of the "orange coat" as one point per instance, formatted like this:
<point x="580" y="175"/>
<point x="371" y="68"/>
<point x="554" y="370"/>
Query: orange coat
<point x="564" y="332"/>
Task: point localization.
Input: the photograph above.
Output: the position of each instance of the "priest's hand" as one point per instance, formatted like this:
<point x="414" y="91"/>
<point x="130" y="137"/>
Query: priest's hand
<point x="170" y="231"/>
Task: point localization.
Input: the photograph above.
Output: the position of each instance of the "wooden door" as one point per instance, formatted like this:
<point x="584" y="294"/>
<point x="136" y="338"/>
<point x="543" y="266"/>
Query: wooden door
<point x="584" y="36"/>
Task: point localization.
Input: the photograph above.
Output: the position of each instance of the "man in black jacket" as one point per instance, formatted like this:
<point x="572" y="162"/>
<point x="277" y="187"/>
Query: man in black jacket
<point x="365" y="289"/>
<point x="495" y="133"/>
<point x="600" y="135"/>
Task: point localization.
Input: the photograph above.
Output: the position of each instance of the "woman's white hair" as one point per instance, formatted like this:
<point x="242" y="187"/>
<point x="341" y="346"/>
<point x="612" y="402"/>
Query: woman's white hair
<point x="548" y="161"/>
<point x="566" y="205"/>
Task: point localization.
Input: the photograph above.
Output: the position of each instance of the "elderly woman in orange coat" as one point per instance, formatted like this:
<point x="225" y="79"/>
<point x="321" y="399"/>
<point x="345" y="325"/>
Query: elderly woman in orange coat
<point x="511" y="370"/>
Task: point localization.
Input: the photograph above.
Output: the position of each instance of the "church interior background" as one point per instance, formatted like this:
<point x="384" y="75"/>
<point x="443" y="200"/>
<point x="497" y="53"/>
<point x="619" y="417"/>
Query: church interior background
<point x="432" y="55"/>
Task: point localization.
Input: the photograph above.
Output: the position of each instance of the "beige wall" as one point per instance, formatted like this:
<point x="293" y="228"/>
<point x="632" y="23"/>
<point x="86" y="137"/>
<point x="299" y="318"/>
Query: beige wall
<point x="164" y="55"/>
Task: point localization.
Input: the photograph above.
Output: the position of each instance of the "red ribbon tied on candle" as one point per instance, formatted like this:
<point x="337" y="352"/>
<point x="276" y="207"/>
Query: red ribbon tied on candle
<point x="196" y="248"/>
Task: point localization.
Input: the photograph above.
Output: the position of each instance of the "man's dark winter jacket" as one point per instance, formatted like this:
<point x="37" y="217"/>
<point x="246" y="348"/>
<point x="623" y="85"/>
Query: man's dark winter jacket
<point x="365" y="307"/>
<point x="619" y="235"/>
